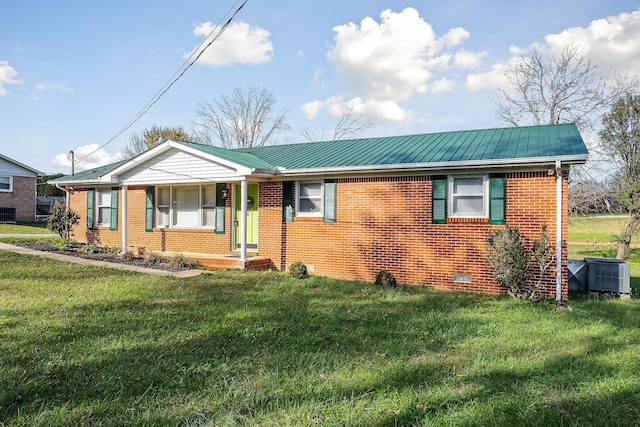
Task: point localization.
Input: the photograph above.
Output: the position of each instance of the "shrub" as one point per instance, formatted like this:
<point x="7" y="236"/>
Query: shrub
<point x="66" y="244"/>
<point x="507" y="256"/>
<point x="385" y="279"/>
<point x="62" y="220"/>
<point x="180" y="262"/>
<point x="90" y="248"/>
<point x="298" y="270"/>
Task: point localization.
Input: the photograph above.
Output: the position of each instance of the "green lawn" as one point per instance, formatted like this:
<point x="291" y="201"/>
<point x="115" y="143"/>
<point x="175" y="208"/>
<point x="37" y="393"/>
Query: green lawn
<point x="82" y="345"/>
<point x="31" y="228"/>
<point x="602" y="228"/>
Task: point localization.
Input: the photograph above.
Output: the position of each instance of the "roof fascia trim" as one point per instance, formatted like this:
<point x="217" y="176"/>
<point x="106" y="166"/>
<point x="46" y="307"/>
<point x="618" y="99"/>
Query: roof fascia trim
<point x="456" y="165"/>
<point x="113" y="176"/>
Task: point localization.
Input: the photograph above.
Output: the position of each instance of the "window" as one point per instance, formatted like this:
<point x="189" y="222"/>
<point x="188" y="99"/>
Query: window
<point x="468" y="196"/>
<point x="103" y="204"/>
<point x="6" y="184"/>
<point x="317" y="199"/>
<point x="209" y="206"/>
<point x="164" y="205"/>
<point x="186" y="204"/>
<point x="309" y="199"/>
<point x="191" y="207"/>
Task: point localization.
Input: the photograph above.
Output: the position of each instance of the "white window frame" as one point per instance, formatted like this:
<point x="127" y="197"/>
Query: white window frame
<point x="320" y="199"/>
<point x="106" y="222"/>
<point x="452" y="196"/>
<point x="166" y="209"/>
<point x="10" y="189"/>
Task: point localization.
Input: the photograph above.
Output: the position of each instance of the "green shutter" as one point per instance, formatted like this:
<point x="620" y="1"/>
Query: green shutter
<point x="497" y="199"/>
<point x="148" y="219"/>
<point x="114" y="209"/>
<point x="220" y="207"/>
<point x="90" y="202"/>
<point x="330" y="188"/>
<point x="439" y="200"/>
<point x="288" y="200"/>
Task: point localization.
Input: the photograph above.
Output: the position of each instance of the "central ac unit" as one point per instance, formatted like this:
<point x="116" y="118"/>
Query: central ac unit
<point x="608" y="275"/>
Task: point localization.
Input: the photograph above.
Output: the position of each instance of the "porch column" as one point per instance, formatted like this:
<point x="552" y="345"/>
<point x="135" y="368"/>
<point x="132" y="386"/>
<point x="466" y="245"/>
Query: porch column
<point x="243" y="220"/>
<point x="124" y="218"/>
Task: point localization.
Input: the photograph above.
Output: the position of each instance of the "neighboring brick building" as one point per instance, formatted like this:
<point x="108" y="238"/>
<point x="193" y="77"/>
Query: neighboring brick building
<point x="17" y="191"/>
<point x="419" y="206"/>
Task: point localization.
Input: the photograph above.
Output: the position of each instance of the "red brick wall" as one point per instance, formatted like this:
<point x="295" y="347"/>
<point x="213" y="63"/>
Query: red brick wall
<point x="385" y="223"/>
<point x="160" y="239"/>
<point x="22" y="198"/>
<point x="382" y="223"/>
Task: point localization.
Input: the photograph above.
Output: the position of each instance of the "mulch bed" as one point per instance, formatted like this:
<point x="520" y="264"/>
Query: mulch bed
<point x="102" y="254"/>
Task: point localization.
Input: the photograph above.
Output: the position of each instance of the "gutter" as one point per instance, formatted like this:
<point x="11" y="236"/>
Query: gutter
<point x="436" y="166"/>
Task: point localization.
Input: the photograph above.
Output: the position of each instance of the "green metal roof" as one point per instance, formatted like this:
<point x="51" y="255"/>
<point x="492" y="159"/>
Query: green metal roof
<point x="233" y="156"/>
<point x="459" y="146"/>
<point x="89" y="174"/>
<point x="487" y="145"/>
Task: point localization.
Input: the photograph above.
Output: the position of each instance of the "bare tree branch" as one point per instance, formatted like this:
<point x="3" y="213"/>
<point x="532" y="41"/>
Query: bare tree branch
<point x="244" y="119"/>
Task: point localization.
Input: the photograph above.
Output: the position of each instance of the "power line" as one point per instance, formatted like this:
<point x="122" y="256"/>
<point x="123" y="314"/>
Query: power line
<point x="193" y="57"/>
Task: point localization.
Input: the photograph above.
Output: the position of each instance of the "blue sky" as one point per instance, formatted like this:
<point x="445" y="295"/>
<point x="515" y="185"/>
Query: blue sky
<point x="73" y="73"/>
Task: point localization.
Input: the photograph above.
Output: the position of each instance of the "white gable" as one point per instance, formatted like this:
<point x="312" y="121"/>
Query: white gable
<point x="13" y="169"/>
<point x="174" y="167"/>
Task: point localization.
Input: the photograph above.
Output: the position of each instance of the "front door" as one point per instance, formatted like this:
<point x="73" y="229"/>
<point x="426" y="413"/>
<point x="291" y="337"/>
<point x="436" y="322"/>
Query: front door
<point x="252" y="217"/>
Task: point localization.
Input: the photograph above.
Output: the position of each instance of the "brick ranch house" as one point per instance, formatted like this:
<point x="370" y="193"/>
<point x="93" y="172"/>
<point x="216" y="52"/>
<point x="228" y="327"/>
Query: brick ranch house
<point x="17" y="191"/>
<point x="420" y="206"/>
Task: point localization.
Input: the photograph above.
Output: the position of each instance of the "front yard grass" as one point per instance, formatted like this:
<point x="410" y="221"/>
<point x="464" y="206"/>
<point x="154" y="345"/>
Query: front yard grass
<point x="82" y="345"/>
<point x="26" y="228"/>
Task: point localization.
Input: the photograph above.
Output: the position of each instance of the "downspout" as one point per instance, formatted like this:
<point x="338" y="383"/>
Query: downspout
<point x="124" y="219"/>
<point x="66" y="197"/>
<point x="558" y="230"/>
<point x="243" y="220"/>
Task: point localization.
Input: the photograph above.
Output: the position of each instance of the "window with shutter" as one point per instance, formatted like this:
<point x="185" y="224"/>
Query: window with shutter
<point x="497" y="199"/>
<point x="330" y="187"/>
<point x="439" y="200"/>
<point x="148" y="219"/>
<point x="113" y="221"/>
<point x="90" y="204"/>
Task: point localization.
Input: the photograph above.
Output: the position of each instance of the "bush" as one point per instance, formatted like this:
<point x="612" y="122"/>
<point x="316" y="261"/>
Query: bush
<point x="298" y="270"/>
<point x="385" y="279"/>
<point x="90" y="248"/>
<point x="180" y="262"/>
<point x="507" y="256"/>
<point x="62" y="220"/>
<point x="66" y="244"/>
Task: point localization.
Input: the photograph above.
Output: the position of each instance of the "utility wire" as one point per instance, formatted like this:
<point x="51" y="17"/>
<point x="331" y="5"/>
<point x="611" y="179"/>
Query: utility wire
<point x="195" y="55"/>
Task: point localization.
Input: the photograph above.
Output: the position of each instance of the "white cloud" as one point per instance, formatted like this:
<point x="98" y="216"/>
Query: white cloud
<point x="612" y="43"/>
<point x="312" y="108"/>
<point x="99" y="158"/>
<point x="466" y="60"/>
<point x="240" y="43"/>
<point x="7" y="76"/>
<point x="385" y="63"/>
<point x="386" y="111"/>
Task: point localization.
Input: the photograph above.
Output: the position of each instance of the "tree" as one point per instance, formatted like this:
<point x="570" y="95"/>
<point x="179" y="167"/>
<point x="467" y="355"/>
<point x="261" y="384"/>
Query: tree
<point x="349" y="124"/>
<point x="151" y="137"/>
<point x="244" y="119"/>
<point x="562" y="87"/>
<point x="620" y="138"/>
<point x="45" y="189"/>
<point x="62" y="220"/>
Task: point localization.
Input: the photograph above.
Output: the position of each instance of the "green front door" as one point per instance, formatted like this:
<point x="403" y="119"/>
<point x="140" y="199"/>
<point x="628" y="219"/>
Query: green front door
<point x="252" y="216"/>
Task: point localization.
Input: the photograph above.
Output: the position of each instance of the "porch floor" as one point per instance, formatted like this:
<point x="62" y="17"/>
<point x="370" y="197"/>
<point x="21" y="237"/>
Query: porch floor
<point x="224" y="261"/>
